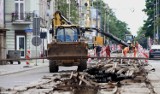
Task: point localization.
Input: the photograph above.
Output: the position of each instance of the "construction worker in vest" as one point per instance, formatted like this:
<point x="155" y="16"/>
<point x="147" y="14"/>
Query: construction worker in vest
<point x="125" y="51"/>
<point x="108" y="51"/>
<point x="134" y="51"/>
<point x="98" y="50"/>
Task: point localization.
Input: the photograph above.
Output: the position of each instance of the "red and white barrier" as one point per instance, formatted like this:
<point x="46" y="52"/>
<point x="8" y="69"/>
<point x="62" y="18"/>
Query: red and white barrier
<point x="103" y="51"/>
<point x="28" y="57"/>
<point x="142" y="52"/>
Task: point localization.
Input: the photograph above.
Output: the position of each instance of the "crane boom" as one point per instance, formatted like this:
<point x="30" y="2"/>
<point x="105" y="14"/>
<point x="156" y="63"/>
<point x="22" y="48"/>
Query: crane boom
<point x="109" y="35"/>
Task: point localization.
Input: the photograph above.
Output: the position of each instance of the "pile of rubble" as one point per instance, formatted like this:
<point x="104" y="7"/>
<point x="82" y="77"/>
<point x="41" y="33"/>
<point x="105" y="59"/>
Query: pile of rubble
<point x="109" y="77"/>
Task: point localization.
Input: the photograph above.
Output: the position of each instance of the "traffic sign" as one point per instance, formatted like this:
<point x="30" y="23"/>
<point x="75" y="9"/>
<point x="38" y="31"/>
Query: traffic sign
<point x="36" y="26"/>
<point x="36" y="41"/>
<point x="27" y="30"/>
<point x="43" y="35"/>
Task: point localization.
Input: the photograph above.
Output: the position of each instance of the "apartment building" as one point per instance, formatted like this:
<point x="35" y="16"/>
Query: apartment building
<point x="19" y="16"/>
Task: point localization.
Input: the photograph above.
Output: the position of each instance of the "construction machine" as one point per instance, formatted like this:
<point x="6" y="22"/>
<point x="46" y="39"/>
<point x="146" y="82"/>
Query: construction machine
<point x="100" y="40"/>
<point x="67" y="47"/>
<point x="129" y="38"/>
<point x="92" y="38"/>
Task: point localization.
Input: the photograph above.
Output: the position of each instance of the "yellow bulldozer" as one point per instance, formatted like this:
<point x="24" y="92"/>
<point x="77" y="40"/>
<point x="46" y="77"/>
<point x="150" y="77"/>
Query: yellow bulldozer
<point x="67" y="47"/>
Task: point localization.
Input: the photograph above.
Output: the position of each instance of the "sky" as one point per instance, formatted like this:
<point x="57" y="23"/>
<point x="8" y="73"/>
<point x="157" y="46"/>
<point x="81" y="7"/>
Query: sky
<point x="129" y="11"/>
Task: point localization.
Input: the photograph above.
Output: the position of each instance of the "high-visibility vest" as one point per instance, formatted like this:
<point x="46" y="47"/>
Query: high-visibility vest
<point x="125" y="51"/>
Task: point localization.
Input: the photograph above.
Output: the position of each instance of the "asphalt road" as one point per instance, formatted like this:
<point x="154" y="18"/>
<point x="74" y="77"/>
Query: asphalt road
<point x="23" y="78"/>
<point x="154" y="77"/>
<point x="26" y="77"/>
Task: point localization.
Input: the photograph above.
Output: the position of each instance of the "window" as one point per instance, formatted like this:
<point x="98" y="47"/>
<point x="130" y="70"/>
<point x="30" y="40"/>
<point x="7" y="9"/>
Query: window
<point x="19" y="9"/>
<point x="67" y="34"/>
<point x="20" y="44"/>
<point x="129" y="37"/>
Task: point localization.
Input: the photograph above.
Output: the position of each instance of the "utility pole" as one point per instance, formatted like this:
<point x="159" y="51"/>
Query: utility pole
<point x="96" y="13"/>
<point x="105" y="15"/>
<point x="108" y="21"/>
<point x="154" y="36"/>
<point x="101" y="16"/>
<point x="88" y="14"/>
<point x="69" y="8"/>
<point x="79" y="12"/>
<point x="157" y="20"/>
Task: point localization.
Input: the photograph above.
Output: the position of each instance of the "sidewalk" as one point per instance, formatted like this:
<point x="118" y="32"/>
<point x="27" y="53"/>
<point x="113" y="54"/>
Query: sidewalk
<point x="15" y="67"/>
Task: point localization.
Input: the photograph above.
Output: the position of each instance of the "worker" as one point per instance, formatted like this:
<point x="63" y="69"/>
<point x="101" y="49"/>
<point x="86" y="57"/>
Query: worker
<point x="108" y="51"/>
<point x="134" y="51"/>
<point x="125" y="51"/>
<point x="136" y="45"/>
<point x="98" y="50"/>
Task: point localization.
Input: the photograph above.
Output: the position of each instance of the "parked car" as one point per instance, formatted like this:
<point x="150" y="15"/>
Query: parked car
<point x="154" y="51"/>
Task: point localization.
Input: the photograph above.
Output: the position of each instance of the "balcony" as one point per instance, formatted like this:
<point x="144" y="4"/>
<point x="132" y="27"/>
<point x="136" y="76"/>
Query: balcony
<point x="22" y="18"/>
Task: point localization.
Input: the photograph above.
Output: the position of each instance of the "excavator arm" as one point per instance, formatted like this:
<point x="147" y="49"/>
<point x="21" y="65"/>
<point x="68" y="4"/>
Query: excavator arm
<point x="109" y="35"/>
<point x="59" y="19"/>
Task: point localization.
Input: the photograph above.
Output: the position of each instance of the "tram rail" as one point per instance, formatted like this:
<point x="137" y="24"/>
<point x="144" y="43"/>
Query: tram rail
<point x="75" y="57"/>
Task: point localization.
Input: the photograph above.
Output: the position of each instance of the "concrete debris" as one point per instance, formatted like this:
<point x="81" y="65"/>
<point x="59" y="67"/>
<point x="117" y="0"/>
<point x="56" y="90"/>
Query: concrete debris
<point x="107" y="77"/>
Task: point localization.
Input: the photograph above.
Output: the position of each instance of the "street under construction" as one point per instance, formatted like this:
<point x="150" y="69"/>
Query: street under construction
<point x="127" y="70"/>
<point x="112" y="76"/>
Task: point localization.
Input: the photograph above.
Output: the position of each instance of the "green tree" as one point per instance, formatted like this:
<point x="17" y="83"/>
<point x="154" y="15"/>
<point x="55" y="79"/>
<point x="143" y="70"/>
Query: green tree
<point x="116" y="27"/>
<point x="148" y="27"/>
<point x="64" y="8"/>
<point x="141" y="37"/>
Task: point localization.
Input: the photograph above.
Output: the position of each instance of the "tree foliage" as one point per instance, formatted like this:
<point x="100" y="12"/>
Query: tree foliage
<point x="148" y="27"/>
<point x="64" y="8"/>
<point x="116" y="27"/>
<point x="141" y="37"/>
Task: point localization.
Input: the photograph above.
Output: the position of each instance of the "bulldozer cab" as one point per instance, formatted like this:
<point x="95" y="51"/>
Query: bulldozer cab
<point x="67" y="34"/>
<point x="63" y="30"/>
<point x="129" y="39"/>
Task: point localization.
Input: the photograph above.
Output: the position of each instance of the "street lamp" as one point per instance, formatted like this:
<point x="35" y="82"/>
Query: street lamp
<point x="157" y="20"/>
<point x="69" y="8"/>
<point x="108" y="20"/>
<point x="96" y="14"/>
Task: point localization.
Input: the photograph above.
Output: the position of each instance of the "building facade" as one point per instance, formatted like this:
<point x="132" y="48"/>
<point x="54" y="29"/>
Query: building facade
<point x="19" y="16"/>
<point x="2" y="33"/>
